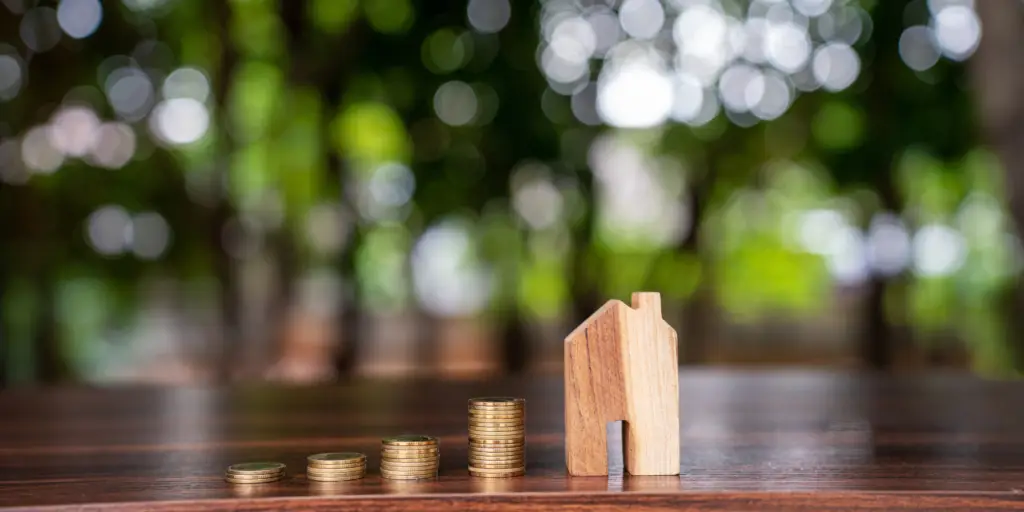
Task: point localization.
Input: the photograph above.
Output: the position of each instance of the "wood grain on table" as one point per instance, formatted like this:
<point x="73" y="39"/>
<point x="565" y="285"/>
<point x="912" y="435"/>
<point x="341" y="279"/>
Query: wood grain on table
<point x="791" y="440"/>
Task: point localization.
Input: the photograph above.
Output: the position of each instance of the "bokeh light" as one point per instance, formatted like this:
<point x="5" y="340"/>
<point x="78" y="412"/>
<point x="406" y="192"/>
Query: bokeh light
<point x="109" y="230"/>
<point x="11" y="76"/>
<point x="130" y="92"/>
<point x="488" y="16"/>
<point x="38" y="151"/>
<point x="79" y="18"/>
<point x="150" y="235"/>
<point x="39" y="29"/>
<point x="917" y="48"/>
<point x="186" y="83"/>
<point x="179" y="121"/>
<point x="114" y="145"/>
<point x="455" y="103"/>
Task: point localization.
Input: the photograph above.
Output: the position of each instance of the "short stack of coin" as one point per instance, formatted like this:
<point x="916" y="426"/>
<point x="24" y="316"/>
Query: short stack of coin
<point x="409" y="457"/>
<point x="497" y="437"/>
<point x="335" y="467"/>
<point x="255" y="473"/>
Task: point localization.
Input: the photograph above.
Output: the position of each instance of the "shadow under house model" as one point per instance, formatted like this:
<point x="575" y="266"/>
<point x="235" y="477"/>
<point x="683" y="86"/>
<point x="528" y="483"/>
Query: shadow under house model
<point x="621" y="365"/>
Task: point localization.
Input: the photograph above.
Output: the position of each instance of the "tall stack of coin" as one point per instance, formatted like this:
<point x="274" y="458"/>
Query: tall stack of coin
<point x="255" y="473"/>
<point x="409" y="457"/>
<point x="335" y="467"/>
<point x="497" y="437"/>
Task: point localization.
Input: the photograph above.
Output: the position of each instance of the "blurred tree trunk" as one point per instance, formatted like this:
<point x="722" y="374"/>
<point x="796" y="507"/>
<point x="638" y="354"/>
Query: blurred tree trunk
<point x="998" y="82"/>
<point x="222" y="212"/>
<point x="698" y="309"/>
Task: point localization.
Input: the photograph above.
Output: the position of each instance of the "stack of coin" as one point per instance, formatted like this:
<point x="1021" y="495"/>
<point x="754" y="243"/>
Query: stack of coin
<point x="409" y="457"/>
<point x="497" y="437"/>
<point x="335" y="467"/>
<point x="255" y="473"/>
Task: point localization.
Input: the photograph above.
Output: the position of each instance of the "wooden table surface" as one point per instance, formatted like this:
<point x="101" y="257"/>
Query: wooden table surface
<point x="792" y="440"/>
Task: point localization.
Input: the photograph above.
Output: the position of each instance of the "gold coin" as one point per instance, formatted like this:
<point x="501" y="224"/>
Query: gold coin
<point x="497" y="432"/>
<point x="419" y="471"/>
<point x="409" y="449"/>
<point x="256" y="468"/>
<point x="336" y="459"/>
<point x="410" y="440"/>
<point x="479" y="474"/>
<point x="482" y="463"/>
<point x="517" y="439"/>
<point x="503" y="471"/>
<point x="316" y="471"/>
<point x="263" y="480"/>
<point x="496" y="465"/>
<point x="391" y="464"/>
<point x="473" y="422"/>
<point x="497" y="457"/>
<point x="408" y="477"/>
<point x="316" y="478"/>
<point x="495" y="418"/>
<point x="497" y="401"/>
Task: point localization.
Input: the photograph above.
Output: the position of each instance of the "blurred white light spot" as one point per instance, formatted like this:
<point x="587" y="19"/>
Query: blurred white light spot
<point x="843" y="25"/>
<point x="447" y="276"/>
<point x="488" y="16"/>
<point x="936" y="6"/>
<point x="634" y="95"/>
<point x="79" y="18"/>
<point x="957" y="31"/>
<point x="755" y="31"/>
<point x="605" y="26"/>
<point x="584" y="105"/>
<point x="938" y="250"/>
<point x="73" y="130"/>
<point x="39" y="29"/>
<point x="38" y="152"/>
<point x="326" y="228"/>
<point x="151" y="235"/>
<point x="787" y="46"/>
<point x="455" y="103"/>
<point x="741" y="87"/>
<point x="812" y="8"/>
<point x="12" y="169"/>
<point x="846" y="257"/>
<point x="115" y="145"/>
<point x="179" y="121"/>
<point x="835" y="66"/>
<point x="187" y="83"/>
<point x="888" y="245"/>
<point x="389" y="187"/>
<point x="562" y="70"/>
<point x="703" y="37"/>
<point x="773" y="99"/>
<point x="130" y="92"/>
<point x="709" y="109"/>
<point x="109" y="230"/>
<point x="143" y="5"/>
<point x="817" y="228"/>
<point x="538" y="202"/>
<point x="917" y="48"/>
<point x="642" y="19"/>
<point x="10" y="77"/>
<point x="688" y="98"/>
<point x="573" y="40"/>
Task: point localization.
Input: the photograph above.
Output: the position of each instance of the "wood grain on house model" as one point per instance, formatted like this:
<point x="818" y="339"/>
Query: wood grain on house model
<point x="621" y="365"/>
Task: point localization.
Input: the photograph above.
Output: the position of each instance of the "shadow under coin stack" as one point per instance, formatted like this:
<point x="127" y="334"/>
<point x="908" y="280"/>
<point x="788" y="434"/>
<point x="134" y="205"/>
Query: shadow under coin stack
<point x="497" y="437"/>
<point x="335" y="467"/>
<point x="254" y="473"/>
<point x="409" y="457"/>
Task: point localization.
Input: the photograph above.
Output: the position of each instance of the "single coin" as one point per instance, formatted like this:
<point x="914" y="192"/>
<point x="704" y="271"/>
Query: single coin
<point x="473" y="422"/>
<point x="497" y="401"/>
<point x="497" y="432"/>
<point x="497" y="471"/>
<point x="391" y="464"/>
<point x="410" y="440"/>
<point x="408" y="477"/>
<point x="480" y="474"/>
<point x="421" y="471"/>
<point x="497" y="458"/>
<point x="409" y="449"/>
<point x="253" y="468"/>
<point x="496" y="418"/>
<point x="513" y="440"/>
<point x="317" y="478"/>
<point x="336" y="458"/>
<point x="497" y="465"/>
<point x="315" y="471"/>
<point x="264" y="480"/>
<point x="496" y="449"/>
<point x="475" y="461"/>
